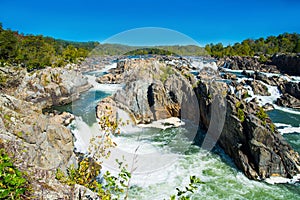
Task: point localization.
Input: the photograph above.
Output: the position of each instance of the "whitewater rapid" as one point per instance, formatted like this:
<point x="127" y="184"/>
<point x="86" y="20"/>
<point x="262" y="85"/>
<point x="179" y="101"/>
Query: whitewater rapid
<point x="162" y="160"/>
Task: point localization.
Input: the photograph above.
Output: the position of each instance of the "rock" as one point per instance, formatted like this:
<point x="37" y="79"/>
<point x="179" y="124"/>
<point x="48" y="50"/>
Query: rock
<point x="64" y="118"/>
<point x="52" y="86"/>
<point x="152" y="92"/>
<point x="287" y="63"/>
<point x="258" y="88"/>
<point x="291" y="88"/>
<point x="11" y="77"/>
<point x="287" y="100"/>
<point x="255" y="148"/>
<point x="246" y="63"/>
<point x="229" y="76"/>
<point x="268" y="107"/>
<point x="49" y="145"/>
<point x="40" y="144"/>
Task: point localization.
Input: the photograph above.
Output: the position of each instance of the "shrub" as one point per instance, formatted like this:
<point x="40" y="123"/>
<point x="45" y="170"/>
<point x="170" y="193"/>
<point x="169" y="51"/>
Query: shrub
<point x="241" y="114"/>
<point x="12" y="183"/>
<point x="184" y="194"/>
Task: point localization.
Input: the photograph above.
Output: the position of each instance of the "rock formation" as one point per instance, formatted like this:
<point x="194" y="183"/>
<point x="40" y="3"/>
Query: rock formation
<point x="287" y="63"/>
<point x="40" y="144"/>
<point x="153" y="91"/>
<point x="52" y="86"/>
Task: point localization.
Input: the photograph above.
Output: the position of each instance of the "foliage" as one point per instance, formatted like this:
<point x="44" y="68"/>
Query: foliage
<point x="36" y="52"/>
<point x="118" y="49"/>
<point x="241" y="115"/>
<point x="12" y="183"/>
<point x="87" y="174"/>
<point x="88" y="171"/>
<point x="166" y="72"/>
<point x="184" y="194"/>
<point x="240" y="112"/>
<point x="262" y="115"/>
<point x="283" y="43"/>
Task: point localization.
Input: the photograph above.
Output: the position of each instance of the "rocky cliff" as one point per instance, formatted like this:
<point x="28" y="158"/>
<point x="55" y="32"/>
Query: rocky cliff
<point x="287" y="63"/>
<point x="154" y="90"/>
<point x="40" y="144"/>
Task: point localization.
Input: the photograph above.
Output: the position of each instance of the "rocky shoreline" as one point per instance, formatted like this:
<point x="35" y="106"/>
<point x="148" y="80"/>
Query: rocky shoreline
<point x="41" y="143"/>
<point x="155" y="90"/>
<point x="248" y="135"/>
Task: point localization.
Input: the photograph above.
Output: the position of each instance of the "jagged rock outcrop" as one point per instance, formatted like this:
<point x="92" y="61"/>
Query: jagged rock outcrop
<point x="153" y="91"/>
<point x="258" y="88"/>
<point x="40" y="145"/>
<point x="291" y="88"/>
<point x="11" y="77"/>
<point x="291" y="95"/>
<point x="52" y="86"/>
<point x="287" y="63"/>
<point x="246" y="63"/>
<point x="254" y="144"/>
<point x="289" y="101"/>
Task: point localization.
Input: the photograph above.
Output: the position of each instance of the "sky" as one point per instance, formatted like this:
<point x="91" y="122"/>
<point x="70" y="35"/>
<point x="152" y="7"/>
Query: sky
<point x="200" y="21"/>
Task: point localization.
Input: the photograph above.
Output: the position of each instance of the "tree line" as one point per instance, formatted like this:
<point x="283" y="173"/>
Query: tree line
<point x="283" y="43"/>
<point x="36" y="52"/>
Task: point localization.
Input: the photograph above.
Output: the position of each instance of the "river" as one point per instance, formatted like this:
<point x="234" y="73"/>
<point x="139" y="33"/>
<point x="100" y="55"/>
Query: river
<point x="222" y="180"/>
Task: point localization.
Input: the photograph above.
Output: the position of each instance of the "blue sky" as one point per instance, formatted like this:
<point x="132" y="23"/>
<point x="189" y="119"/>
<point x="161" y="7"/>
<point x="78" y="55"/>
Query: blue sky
<point x="204" y="21"/>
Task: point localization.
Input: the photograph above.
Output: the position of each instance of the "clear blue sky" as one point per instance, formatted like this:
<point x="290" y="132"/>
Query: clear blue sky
<point x="205" y="21"/>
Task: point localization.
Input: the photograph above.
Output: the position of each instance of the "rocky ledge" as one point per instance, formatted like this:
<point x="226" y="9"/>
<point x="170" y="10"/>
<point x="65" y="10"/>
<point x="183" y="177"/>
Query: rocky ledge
<point x="155" y="90"/>
<point x="40" y="144"/>
<point x="52" y="86"/>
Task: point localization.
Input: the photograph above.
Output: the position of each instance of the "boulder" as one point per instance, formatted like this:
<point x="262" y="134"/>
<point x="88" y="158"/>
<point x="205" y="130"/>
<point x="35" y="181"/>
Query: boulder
<point x="39" y="145"/>
<point x="258" y="88"/>
<point x="291" y="88"/>
<point x="289" y="101"/>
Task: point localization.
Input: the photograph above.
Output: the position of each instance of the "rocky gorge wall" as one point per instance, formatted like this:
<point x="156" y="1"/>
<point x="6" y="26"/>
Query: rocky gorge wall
<point x="39" y="143"/>
<point x="155" y="90"/>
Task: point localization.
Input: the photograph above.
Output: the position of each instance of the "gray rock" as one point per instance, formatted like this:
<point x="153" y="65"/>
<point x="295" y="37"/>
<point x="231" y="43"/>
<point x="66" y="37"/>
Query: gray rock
<point x="287" y="63"/>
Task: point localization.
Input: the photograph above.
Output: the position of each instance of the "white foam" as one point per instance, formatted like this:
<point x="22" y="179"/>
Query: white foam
<point x="288" y="110"/>
<point x="200" y="65"/>
<point x="289" y="130"/>
<point x="83" y="134"/>
<point x="277" y="179"/>
<point x="111" y="88"/>
<point x="282" y="125"/>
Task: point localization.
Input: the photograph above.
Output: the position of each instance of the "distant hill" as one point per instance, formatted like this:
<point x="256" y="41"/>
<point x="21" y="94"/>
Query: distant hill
<point x="119" y="49"/>
<point x="37" y="51"/>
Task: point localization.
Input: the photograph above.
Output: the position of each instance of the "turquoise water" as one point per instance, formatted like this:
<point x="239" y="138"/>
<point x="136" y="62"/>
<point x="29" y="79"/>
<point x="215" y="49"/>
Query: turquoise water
<point x="222" y="180"/>
<point x="279" y="116"/>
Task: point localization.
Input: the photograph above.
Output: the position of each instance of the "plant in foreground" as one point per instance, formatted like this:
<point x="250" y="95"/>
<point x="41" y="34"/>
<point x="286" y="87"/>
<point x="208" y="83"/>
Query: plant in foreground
<point x="184" y="194"/>
<point x="12" y="183"/>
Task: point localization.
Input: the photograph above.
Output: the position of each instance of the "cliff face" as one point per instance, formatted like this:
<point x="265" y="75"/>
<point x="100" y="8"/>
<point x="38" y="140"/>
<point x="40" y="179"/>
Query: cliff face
<point x="287" y="63"/>
<point x="40" y="143"/>
<point x="154" y="91"/>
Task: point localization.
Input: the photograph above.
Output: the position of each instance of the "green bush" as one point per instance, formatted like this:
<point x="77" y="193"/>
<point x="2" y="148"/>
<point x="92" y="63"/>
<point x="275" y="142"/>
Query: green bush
<point x="262" y="115"/>
<point x="12" y="183"/>
<point x="184" y="194"/>
<point x="86" y="174"/>
<point x="241" y="114"/>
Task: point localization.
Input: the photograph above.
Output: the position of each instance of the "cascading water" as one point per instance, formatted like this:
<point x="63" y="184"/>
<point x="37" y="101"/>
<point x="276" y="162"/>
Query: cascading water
<point x="221" y="179"/>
